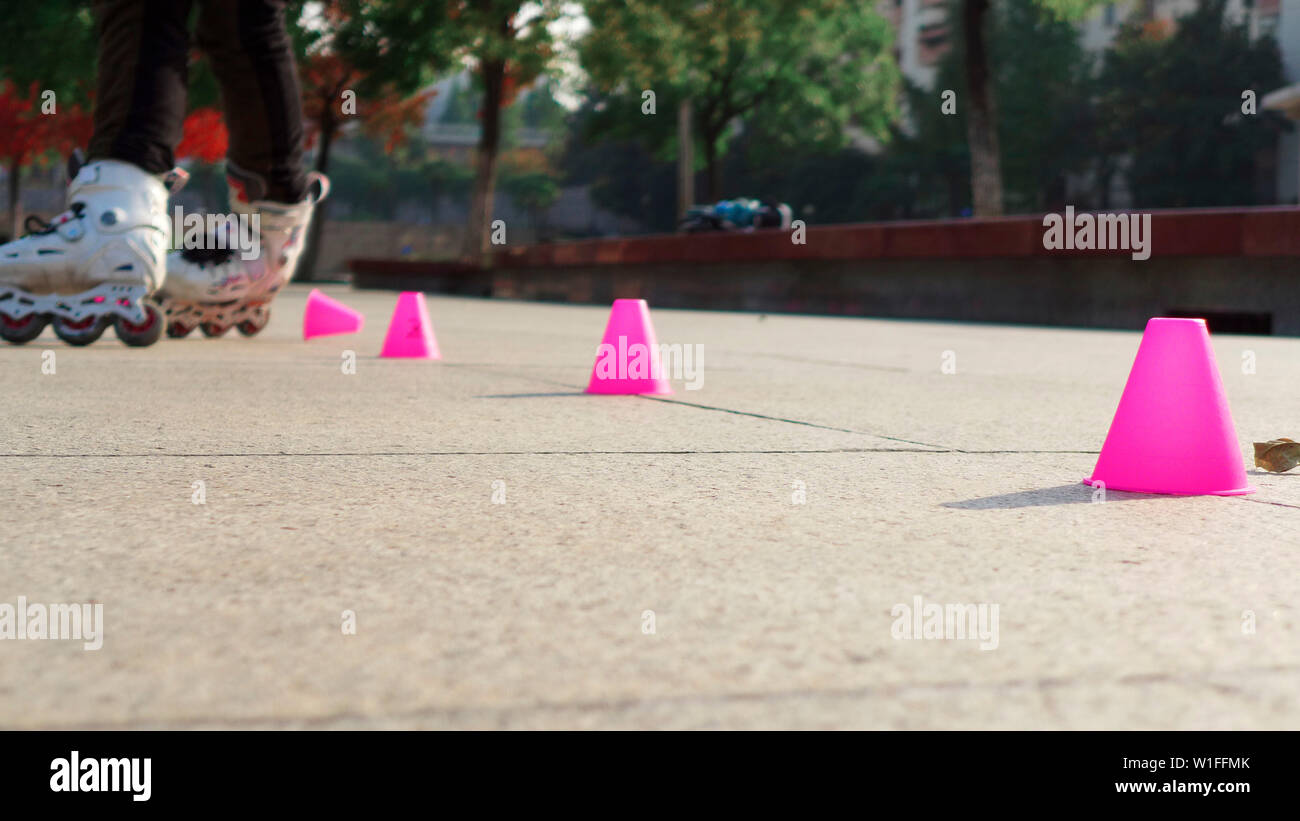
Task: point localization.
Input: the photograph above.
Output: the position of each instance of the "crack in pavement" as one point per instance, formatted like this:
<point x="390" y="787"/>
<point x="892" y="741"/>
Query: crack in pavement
<point x="933" y="448"/>
<point x="1265" y="502"/>
<point x="751" y="414"/>
<point x="919" y="446"/>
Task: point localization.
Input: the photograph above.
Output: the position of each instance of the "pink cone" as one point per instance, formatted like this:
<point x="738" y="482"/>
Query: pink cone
<point x="410" y="333"/>
<point x="1173" y="432"/>
<point x="627" y="361"/>
<point x="327" y="317"/>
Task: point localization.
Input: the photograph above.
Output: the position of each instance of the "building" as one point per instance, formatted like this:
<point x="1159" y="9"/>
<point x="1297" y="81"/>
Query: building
<point x="923" y="36"/>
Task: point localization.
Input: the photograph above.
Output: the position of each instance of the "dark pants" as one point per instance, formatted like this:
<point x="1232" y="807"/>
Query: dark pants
<point x="140" y="102"/>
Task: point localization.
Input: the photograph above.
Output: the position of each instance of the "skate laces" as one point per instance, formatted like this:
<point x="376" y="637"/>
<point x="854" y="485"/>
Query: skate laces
<point x="208" y="255"/>
<point x="35" y="226"/>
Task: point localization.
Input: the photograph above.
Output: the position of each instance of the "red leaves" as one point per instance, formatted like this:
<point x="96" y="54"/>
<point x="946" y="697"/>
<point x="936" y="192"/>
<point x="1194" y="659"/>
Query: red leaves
<point x="20" y="128"/>
<point x="391" y="116"/>
<point x="326" y="78"/>
<point x="27" y="134"/>
<point x="204" y="136"/>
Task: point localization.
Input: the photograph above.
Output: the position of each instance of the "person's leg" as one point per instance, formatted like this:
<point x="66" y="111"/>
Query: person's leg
<point x="99" y="263"/>
<point x="141" y="86"/>
<point x="252" y="57"/>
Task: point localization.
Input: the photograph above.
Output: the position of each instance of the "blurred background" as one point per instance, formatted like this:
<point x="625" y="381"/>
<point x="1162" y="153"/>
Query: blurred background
<point x="602" y="118"/>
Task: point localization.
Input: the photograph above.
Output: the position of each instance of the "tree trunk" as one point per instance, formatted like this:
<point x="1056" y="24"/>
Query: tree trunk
<point x="981" y="114"/>
<point x="712" y="168"/>
<point x="15" y="172"/>
<point x="477" y="228"/>
<point x="1103" y="186"/>
<point x="685" y="160"/>
<point x="311" y="251"/>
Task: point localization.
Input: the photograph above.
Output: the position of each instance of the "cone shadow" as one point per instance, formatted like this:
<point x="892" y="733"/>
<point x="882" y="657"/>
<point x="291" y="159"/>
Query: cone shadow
<point x="1075" y="493"/>
<point x="529" y="395"/>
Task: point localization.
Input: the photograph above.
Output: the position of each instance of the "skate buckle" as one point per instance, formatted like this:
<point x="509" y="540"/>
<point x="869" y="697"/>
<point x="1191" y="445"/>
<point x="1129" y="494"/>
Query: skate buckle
<point x="175" y="179"/>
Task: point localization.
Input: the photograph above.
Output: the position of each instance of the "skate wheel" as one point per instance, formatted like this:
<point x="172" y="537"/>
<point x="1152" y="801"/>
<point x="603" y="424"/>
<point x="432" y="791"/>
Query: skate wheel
<point x="254" y="326"/>
<point x="178" y="330"/>
<point x="21" y="331"/>
<point x="144" y="333"/>
<point x="81" y="331"/>
<point x="212" y="330"/>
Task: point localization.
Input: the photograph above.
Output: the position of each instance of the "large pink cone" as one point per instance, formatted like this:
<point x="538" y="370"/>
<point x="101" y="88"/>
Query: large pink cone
<point x="327" y="317"/>
<point x="627" y="360"/>
<point x="1173" y="432"/>
<point x="410" y="333"/>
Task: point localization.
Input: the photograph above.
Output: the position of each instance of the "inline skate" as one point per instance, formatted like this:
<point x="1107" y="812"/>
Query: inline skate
<point x="96" y="264"/>
<point x="220" y="286"/>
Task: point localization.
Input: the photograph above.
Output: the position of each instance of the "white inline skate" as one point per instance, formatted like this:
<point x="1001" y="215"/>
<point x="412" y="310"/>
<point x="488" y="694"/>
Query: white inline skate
<point x="95" y="264"/>
<point x="217" y="288"/>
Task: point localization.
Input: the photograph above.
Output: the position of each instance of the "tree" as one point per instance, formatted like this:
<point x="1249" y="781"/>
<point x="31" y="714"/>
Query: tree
<point x="981" y="113"/>
<point x="1045" y="125"/>
<point x="981" y="97"/>
<point x="806" y="70"/>
<point x="623" y="176"/>
<point x="53" y="44"/>
<point x="33" y="127"/>
<point x="49" y="47"/>
<point x="1043" y="82"/>
<point x="507" y="44"/>
<point x="21" y="134"/>
<point x="1172" y="103"/>
<point x="462" y="102"/>
<point x="344" y="76"/>
<point x="527" y="178"/>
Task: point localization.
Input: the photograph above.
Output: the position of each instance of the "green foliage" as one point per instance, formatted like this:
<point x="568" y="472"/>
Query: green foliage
<point x="413" y="41"/>
<point x="374" y="184"/>
<point x="52" y="44"/>
<point x="1070" y="11"/>
<point x="842" y="186"/>
<point x="537" y="108"/>
<point x="801" y="69"/>
<point x="447" y="178"/>
<point x="1042" y="82"/>
<point x="1174" y="106"/>
<point x="204" y="90"/>
<point x="625" y="178"/>
<point x="532" y="190"/>
<point x="463" y="96"/>
<point x="405" y="43"/>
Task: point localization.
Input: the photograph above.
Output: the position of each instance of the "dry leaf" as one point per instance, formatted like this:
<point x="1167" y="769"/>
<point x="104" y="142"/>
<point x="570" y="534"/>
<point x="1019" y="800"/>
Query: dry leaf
<point x="1277" y="455"/>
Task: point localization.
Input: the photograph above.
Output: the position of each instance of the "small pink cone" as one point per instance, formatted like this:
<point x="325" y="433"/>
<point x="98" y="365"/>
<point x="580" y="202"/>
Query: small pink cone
<point x="326" y="317"/>
<point x="1173" y="432"/>
<point x="621" y="367"/>
<point x="410" y="333"/>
